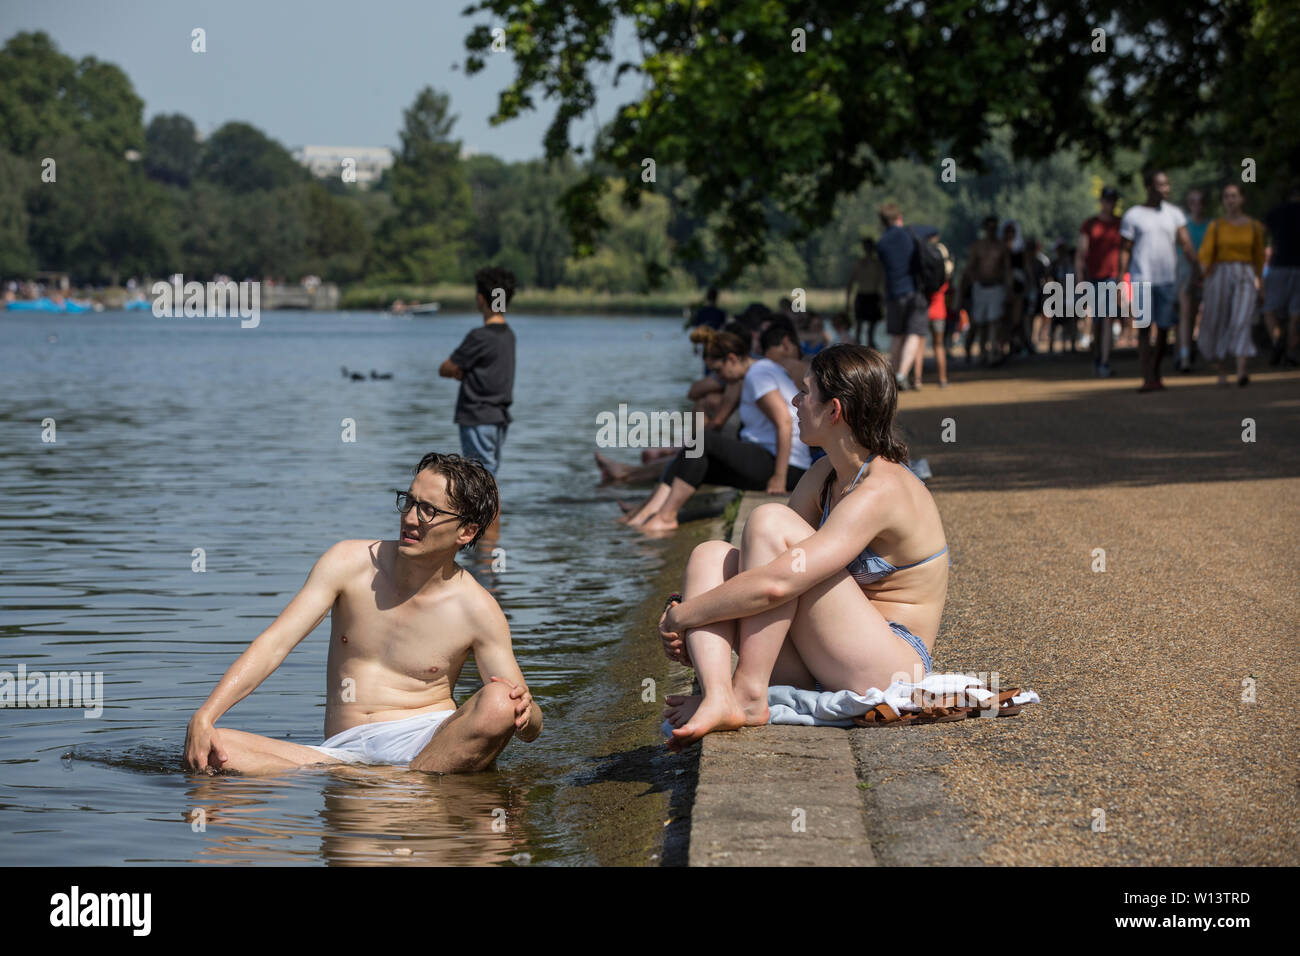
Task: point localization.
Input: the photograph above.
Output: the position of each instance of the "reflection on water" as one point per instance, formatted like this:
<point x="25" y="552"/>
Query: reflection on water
<point x="177" y="439"/>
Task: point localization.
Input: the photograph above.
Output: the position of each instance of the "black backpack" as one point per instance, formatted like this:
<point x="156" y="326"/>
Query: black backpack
<point x="927" y="266"/>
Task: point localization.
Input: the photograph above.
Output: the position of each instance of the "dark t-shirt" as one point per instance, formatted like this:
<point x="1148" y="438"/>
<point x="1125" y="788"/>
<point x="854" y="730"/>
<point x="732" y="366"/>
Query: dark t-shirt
<point x="711" y="316"/>
<point x="894" y="247"/>
<point x="1283" y="222"/>
<point x="487" y="357"/>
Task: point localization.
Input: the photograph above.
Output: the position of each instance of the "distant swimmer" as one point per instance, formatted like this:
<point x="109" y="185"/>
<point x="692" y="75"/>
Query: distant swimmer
<point x="404" y="618"/>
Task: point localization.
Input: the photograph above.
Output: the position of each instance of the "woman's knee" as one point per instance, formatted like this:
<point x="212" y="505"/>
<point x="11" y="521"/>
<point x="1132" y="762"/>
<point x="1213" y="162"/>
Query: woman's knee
<point x="711" y="557"/>
<point x="775" y="522"/>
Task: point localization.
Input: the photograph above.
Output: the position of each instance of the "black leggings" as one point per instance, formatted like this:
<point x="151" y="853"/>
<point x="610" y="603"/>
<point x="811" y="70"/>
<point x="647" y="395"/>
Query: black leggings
<point x="729" y="461"/>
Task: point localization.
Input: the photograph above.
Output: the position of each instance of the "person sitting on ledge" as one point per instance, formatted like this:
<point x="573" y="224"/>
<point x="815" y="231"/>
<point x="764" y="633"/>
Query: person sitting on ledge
<point x="842" y="588"/>
<point x="404" y="617"/>
<point x="768" y="454"/>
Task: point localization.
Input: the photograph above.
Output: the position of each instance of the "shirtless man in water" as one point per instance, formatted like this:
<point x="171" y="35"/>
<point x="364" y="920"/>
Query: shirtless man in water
<point x="404" y="619"/>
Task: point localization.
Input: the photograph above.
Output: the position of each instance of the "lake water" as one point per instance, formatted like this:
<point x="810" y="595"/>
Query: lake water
<point x="178" y="434"/>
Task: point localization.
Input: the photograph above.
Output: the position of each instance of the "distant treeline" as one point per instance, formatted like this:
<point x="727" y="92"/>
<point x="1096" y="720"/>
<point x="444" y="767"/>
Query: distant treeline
<point x="91" y="191"/>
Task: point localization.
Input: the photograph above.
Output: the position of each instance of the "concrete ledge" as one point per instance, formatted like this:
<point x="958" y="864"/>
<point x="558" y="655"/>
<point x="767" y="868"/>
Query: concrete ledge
<point x="777" y="795"/>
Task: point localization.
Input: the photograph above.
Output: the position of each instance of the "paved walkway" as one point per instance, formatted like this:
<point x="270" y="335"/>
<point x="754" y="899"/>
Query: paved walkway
<point x="1143" y="728"/>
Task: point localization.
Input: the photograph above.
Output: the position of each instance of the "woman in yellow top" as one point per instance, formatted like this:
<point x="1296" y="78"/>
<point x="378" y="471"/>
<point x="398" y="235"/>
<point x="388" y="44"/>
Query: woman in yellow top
<point x="1232" y="260"/>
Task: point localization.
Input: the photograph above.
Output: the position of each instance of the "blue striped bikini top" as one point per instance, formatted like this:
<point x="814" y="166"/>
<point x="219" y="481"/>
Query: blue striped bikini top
<point x="869" y="567"/>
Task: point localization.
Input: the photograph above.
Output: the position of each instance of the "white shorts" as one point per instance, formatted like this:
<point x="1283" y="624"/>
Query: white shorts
<point x="986" y="303"/>
<point x="395" y="742"/>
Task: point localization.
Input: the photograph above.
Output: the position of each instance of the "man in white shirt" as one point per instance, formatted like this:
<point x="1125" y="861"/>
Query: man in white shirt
<point x="1150" y="235"/>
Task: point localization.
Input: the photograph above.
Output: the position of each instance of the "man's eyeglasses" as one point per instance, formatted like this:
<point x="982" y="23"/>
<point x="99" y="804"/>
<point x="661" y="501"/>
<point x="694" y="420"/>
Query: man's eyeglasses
<point x="426" y="512"/>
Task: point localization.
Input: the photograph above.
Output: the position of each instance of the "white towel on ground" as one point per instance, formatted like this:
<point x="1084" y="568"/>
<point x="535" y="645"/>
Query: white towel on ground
<point x="791" y="705"/>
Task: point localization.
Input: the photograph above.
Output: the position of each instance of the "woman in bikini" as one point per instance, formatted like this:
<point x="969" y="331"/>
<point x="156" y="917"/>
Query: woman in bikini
<point x="842" y="587"/>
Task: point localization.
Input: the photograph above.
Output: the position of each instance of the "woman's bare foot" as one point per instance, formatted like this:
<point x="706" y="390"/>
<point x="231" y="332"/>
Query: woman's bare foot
<point x="610" y="470"/>
<point x="635" y="518"/>
<point x="680" y="708"/>
<point x="712" y="713"/>
<point x="656" y="525"/>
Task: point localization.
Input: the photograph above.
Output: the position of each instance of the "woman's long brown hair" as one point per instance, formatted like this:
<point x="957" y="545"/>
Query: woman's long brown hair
<point x="718" y="345"/>
<point x="863" y="381"/>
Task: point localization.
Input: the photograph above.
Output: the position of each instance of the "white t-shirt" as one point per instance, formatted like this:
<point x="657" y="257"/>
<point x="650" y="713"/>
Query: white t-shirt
<point x="1154" y="233"/>
<point x="765" y="376"/>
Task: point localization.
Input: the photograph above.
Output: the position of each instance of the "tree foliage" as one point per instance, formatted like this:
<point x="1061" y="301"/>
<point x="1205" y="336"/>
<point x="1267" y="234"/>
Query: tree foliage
<point x="784" y="106"/>
<point x="423" y="240"/>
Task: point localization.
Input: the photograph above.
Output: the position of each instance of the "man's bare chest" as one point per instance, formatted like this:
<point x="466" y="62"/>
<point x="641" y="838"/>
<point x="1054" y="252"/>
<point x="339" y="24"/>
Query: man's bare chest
<point x="424" y="639"/>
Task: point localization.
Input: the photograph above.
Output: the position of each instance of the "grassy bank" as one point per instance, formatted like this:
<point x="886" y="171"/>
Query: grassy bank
<point x="461" y="297"/>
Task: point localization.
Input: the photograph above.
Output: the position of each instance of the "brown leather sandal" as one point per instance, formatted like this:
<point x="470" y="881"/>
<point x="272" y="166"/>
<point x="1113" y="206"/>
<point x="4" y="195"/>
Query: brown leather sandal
<point x="942" y="710"/>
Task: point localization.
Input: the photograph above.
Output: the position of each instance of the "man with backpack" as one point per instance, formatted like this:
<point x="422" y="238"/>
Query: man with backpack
<point x="914" y="271"/>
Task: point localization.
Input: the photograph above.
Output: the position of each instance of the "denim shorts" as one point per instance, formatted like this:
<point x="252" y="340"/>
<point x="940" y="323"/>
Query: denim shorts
<point x="1159" y="308"/>
<point x="916" y="643"/>
<point x="1106" y="300"/>
<point x="484" y="443"/>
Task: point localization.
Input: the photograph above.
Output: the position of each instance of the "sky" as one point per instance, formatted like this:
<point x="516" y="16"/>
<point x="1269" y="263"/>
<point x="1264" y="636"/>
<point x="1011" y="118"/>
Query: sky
<point x="326" y="72"/>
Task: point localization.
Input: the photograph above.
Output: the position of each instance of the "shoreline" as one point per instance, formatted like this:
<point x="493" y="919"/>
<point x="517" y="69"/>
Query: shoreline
<point x="457" y="298"/>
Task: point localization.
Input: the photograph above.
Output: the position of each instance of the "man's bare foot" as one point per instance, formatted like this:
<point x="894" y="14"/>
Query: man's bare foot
<point x="657" y="454"/>
<point x="655" y="525"/>
<point x="610" y="470"/>
<point x="711" y="714"/>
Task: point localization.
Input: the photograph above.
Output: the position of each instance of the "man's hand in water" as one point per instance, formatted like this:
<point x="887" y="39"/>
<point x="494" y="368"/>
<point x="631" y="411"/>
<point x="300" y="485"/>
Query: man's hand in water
<point x="523" y="701"/>
<point x="203" y="747"/>
<point x="674" y="645"/>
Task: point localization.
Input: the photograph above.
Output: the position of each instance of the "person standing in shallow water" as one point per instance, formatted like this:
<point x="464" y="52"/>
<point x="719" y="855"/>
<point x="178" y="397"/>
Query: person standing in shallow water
<point x="842" y="587"/>
<point x="484" y="363"/>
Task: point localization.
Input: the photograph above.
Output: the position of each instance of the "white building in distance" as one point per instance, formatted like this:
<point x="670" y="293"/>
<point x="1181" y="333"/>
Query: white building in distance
<point x="325" y="162"/>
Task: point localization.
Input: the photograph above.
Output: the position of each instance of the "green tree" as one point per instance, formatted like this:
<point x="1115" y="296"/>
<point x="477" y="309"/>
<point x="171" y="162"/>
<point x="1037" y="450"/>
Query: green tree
<point x="424" y="239"/>
<point x="44" y="94"/>
<point x="101" y="218"/>
<point x="729" y="97"/>
<point x="172" y="149"/>
<point x="242" y="158"/>
<point x="16" y="256"/>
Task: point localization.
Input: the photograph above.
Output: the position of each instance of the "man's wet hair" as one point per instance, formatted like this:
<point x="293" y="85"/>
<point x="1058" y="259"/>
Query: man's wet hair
<point x="490" y="278"/>
<point x="471" y="490"/>
<point x="711" y="296"/>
